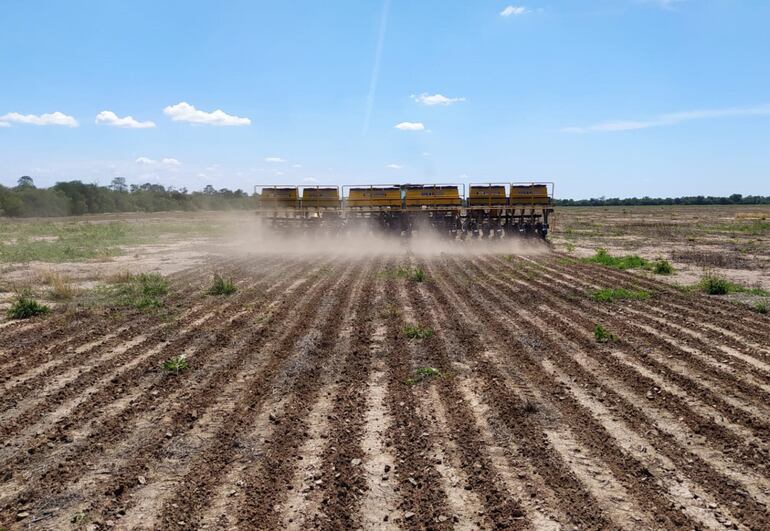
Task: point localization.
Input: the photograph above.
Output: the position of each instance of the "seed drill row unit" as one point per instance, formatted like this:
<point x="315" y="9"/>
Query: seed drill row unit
<point x="488" y="210"/>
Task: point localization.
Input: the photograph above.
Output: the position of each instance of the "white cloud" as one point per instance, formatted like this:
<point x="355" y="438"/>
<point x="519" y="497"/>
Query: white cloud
<point x="54" y="118"/>
<point x="296" y="165"/>
<point x="274" y="159"/>
<point x="151" y="162"/>
<point x="410" y="126"/>
<point x="394" y="166"/>
<point x="184" y="112"/>
<point x="435" y="99"/>
<point x="514" y="10"/>
<point x="129" y="122"/>
<point x="669" y="119"/>
<point x="5" y="124"/>
<point x="278" y="173"/>
<point x="309" y="180"/>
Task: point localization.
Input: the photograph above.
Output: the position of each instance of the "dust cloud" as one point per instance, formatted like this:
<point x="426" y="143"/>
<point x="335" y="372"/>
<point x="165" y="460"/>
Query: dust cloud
<point x="254" y="237"/>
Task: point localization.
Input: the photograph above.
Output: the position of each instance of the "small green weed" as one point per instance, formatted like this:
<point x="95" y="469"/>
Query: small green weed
<point x="602" y="335"/>
<point x="662" y="267"/>
<point x="424" y="373"/>
<point x="222" y="286"/>
<point x="570" y="247"/>
<point x="24" y="307"/>
<point x="613" y="294"/>
<point x="413" y="331"/>
<point x="176" y="364"/>
<point x="761" y="307"/>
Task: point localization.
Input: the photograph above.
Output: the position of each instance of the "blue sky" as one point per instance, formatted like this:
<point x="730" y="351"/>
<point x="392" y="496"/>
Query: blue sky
<point x="605" y="97"/>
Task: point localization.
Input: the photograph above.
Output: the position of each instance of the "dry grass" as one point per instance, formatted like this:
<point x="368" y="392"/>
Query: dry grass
<point x="61" y="286"/>
<point x="121" y="277"/>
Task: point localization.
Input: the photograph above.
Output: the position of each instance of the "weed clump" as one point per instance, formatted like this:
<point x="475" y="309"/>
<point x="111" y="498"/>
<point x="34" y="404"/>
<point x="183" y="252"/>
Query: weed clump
<point x="424" y="373"/>
<point x="613" y="294"/>
<point x="761" y="307"/>
<point x="662" y="267"/>
<point x="602" y="335"/>
<point x="222" y="286"/>
<point x="715" y="285"/>
<point x="413" y="331"/>
<point x="618" y="262"/>
<point x="176" y="364"/>
<point x="144" y="291"/>
<point x="24" y="307"/>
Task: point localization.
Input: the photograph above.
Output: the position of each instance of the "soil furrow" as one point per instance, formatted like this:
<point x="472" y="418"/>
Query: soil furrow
<point x="112" y="428"/>
<point x="726" y="491"/>
<point x="422" y="501"/>
<point x="440" y="351"/>
<point x="267" y="484"/>
<point x="344" y="481"/>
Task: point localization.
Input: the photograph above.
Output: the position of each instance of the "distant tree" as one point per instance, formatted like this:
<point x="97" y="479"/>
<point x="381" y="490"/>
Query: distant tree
<point x="119" y="184"/>
<point x="25" y="181"/>
<point x="209" y="190"/>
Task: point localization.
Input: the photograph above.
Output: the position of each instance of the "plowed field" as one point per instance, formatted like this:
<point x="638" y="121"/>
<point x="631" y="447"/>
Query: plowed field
<point x="307" y="405"/>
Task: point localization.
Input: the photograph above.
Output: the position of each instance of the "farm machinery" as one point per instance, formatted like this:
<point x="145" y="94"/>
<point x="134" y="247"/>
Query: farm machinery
<point x="489" y="211"/>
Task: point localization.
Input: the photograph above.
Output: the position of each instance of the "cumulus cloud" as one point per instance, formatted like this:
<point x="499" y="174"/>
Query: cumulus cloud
<point x="394" y="166"/>
<point x="410" y="126"/>
<point x="5" y="124"/>
<point x="669" y="119"/>
<point x="435" y="99"/>
<point x="129" y="122"/>
<point x="184" y="112"/>
<point x="274" y="159"/>
<point x="514" y="11"/>
<point x="146" y="161"/>
<point x="54" y="118"/>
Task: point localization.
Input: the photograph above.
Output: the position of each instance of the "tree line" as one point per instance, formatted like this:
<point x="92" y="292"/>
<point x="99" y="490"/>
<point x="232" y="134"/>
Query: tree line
<point x="74" y="198"/>
<point x="734" y="199"/>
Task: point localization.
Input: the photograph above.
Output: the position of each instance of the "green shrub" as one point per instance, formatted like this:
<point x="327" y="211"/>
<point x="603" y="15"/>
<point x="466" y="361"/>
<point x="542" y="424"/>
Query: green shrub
<point x="760" y="307"/>
<point x="222" y="286"/>
<point x="715" y="285"/>
<point x="613" y="294"/>
<point x="662" y="267"/>
<point x="602" y="335"/>
<point x="24" y="307"/>
<point x="413" y="331"/>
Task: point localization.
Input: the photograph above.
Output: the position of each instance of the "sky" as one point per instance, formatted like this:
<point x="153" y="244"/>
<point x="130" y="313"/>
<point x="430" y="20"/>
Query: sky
<point x="602" y="97"/>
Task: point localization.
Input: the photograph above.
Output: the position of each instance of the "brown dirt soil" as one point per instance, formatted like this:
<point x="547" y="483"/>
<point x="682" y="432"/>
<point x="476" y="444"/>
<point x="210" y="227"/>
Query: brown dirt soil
<point x="306" y="406"/>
